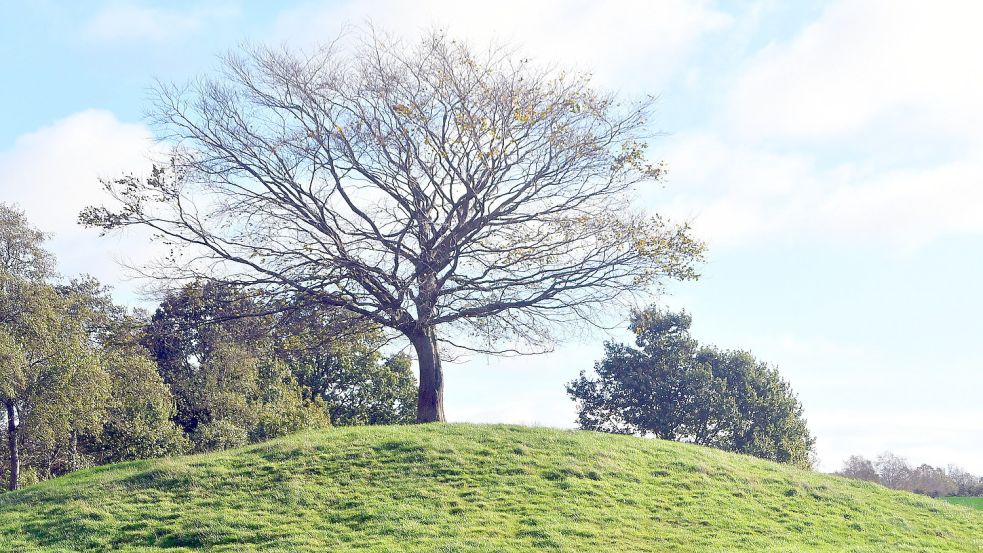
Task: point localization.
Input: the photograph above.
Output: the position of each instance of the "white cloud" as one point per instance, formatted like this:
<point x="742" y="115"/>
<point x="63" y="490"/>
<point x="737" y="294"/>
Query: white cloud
<point x="122" y="21"/>
<point x="635" y="41"/>
<point x="54" y="172"/>
<point x="740" y="195"/>
<point x="906" y="64"/>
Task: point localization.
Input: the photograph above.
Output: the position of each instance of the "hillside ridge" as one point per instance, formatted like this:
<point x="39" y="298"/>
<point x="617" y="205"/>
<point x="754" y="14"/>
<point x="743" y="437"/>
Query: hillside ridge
<point x="464" y="487"/>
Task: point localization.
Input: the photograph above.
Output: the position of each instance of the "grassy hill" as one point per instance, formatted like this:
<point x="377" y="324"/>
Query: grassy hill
<point x="448" y="488"/>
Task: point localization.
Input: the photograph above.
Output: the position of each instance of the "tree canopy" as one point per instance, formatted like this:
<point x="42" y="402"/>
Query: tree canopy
<point x="459" y="197"/>
<point x="671" y="387"/>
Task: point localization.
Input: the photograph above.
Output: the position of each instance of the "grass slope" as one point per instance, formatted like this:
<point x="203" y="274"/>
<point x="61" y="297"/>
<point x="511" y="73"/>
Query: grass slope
<point x="446" y="488"/>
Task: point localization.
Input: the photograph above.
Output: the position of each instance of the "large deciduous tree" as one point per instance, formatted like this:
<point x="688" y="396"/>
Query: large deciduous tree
<point x="671" y="387"/>
<point x="462" y="198"/>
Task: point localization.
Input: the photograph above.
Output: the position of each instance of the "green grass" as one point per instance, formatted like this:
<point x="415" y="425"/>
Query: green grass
<point x="973" y="502"/>
<point x="455" y="488"/>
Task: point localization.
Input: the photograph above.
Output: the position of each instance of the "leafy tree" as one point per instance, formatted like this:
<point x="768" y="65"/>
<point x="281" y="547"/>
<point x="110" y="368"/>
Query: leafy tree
<point x="76" y="386"/>
<point x="360" y="387"/>
<point x="346" y="369"/>
<point x="22" y="253"/>
<point x="51" y="385"/>
<point x="51" y="382"/>
<point x="670" y="387"/>
<point x="263" y="366"/>
<point x="458" y="198"/>
<point x="258" y="396"/>
<point x="191" y="336"/>
<point x="216" y="352"/>
<point x="137" y="422"/>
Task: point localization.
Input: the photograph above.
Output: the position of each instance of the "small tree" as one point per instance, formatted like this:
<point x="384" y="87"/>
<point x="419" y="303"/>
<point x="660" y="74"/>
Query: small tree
<point x="137" y="421"/>
<point x="894" y="471"/>
<point x="859" y="468"/>
<point x="459" y="198"/>
<point x="673" y="388"/>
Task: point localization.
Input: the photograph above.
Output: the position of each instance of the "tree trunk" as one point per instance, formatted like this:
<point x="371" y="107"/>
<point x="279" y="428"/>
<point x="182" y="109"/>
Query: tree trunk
<point x="430" y="400"/>
<point x="73" y="462"/>
<point x="12" y="446"/>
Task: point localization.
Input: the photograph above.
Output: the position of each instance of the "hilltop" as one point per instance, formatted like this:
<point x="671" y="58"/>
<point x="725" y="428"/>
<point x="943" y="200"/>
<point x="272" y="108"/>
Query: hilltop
<point x="473" y="488"/>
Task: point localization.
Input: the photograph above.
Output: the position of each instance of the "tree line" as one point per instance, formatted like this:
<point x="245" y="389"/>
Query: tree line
<point x="85" y="381"/>
<point x="897" y="473"/>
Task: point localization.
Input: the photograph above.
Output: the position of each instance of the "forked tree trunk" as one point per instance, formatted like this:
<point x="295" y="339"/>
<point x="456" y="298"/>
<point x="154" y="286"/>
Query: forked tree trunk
<point x="430" y="400"/>
<point x="12" y="446"/>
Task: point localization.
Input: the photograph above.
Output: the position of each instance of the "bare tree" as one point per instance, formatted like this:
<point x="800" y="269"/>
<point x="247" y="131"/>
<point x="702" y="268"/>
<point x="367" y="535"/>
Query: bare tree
<point x="894" y="471"/>
<point x="421" y="186"/>
<point x="859" y="468"/>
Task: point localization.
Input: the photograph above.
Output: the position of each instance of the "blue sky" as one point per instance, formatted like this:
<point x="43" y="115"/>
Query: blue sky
<point x="829" y="154"/>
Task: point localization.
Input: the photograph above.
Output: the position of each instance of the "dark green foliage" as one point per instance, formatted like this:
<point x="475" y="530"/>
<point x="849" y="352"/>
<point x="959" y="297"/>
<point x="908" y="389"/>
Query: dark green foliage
<point x="137" y="423"/>
<point x="359" y="387"/>
<point x="195" y="337"/>
<point x="346" y="369"/>
<point x="671" y="387"/>
<point x="138" y="410"/>
<point x="215" y="349"/>
<point x="238" y="359"/>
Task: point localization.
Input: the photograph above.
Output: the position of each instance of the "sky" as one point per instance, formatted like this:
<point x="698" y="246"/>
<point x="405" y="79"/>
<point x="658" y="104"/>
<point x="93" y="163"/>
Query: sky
<point x="828" y="153"/>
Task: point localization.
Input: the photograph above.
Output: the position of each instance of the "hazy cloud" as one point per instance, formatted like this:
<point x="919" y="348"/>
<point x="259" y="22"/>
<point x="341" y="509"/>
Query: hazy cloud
<point x="634" y="41"/>
<point x="120" y="21"/>
<point x="54" y="172"/>
<point x="866" y="63"/>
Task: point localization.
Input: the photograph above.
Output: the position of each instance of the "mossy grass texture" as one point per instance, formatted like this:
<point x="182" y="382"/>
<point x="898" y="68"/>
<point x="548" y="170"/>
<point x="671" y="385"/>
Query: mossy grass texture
<point x="462" y="487"/>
